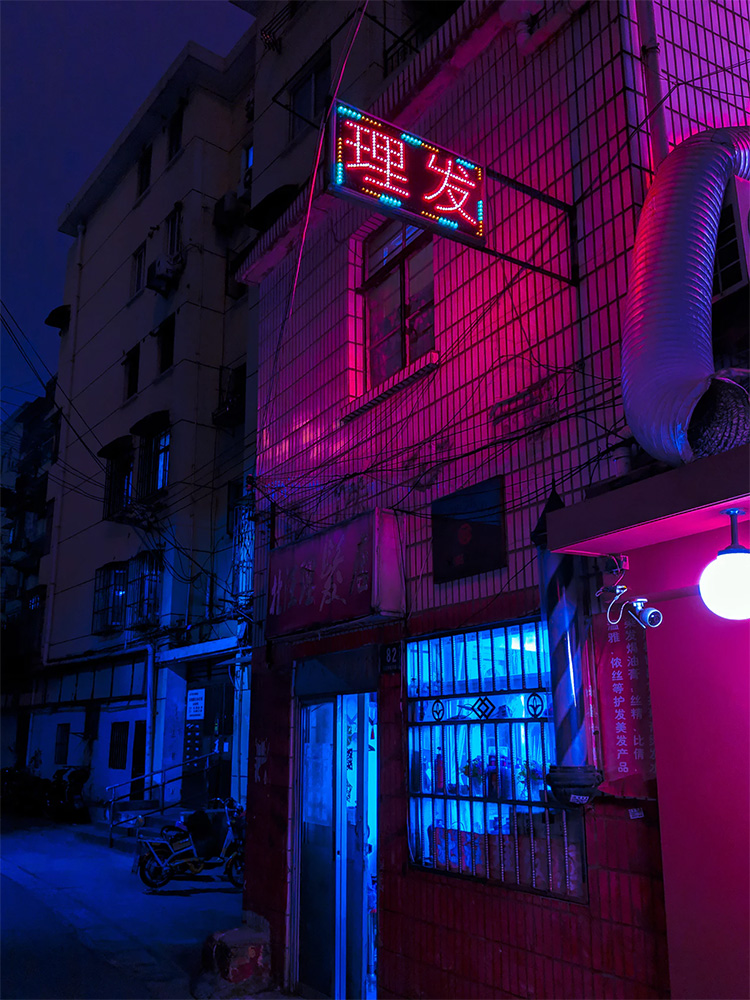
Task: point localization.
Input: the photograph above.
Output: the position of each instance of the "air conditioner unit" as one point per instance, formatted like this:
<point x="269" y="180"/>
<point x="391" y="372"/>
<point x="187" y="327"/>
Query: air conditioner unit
<point x="245" y="188"/>
<point x="227" y="212"/>
<point x="163" y="273"/>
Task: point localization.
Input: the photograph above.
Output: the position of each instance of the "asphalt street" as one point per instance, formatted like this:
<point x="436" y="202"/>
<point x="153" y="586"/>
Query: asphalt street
<point x="75" y="922"/>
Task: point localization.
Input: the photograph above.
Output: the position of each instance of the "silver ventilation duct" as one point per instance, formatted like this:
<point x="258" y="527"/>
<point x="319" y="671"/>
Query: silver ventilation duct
<point x="677" y="406"/>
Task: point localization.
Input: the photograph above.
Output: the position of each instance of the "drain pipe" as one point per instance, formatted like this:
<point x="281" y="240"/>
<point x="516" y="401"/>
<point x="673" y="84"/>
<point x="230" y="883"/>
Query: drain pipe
<point x="677" y="405"/>
<point x="573" y="780"/>
<point x="644" y="13"/>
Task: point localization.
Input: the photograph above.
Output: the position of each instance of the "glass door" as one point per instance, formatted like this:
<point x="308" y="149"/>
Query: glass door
<point x="338" y="848"/>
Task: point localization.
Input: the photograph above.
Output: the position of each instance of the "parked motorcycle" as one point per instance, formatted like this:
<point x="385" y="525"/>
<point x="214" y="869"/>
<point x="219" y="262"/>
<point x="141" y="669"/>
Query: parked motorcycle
<point x="211" y="837"/>
<point x="65" y="795"/>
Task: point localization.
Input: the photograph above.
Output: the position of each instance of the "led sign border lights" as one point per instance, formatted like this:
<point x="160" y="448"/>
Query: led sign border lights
<point x="402" y="175"/>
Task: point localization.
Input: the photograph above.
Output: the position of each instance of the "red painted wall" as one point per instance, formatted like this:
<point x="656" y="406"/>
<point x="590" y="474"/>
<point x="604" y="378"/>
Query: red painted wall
<point x="699" y="668"/>
<point x="450" y="937"/>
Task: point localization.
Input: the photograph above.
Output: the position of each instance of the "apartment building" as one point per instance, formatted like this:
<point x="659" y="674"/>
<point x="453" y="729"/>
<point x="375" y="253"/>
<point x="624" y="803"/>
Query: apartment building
<point x="148" y="585"/>
<point x="453" y="790"/>
<point x="29" y="446"/>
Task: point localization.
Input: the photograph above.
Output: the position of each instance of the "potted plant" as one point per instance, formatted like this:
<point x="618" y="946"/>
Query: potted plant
<point x="474" y="771"/>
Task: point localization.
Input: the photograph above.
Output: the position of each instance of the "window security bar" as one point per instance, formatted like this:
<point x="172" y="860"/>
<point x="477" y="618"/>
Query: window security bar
<point x="481" y="740"/>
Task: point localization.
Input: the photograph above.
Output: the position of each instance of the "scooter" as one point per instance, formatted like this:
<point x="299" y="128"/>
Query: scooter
<point x="65" y="795"/>
<point x="204" y="838"/>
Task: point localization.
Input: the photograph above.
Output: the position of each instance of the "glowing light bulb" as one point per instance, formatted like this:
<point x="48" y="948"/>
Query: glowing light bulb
<point x="725" y="585"/>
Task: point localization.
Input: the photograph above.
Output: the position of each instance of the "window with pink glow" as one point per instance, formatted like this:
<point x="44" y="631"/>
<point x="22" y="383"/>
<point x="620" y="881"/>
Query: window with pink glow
<point x="399" y="299"/>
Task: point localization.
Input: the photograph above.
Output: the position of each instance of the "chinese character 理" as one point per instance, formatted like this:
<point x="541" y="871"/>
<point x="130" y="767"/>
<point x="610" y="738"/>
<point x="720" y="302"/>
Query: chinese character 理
<point x="381" y="155"/>
<point x="454" y="188"/>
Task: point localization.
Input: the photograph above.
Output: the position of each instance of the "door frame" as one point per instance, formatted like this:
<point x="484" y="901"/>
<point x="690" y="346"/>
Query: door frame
<point x="340" y="838"/>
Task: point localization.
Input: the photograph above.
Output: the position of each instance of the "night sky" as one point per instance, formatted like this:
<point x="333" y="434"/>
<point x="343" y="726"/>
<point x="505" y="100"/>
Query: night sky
<point x="72" y="75"/>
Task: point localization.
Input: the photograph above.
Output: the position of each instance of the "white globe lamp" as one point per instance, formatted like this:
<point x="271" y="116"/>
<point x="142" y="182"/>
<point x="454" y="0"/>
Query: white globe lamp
<point x="725" y="583"/>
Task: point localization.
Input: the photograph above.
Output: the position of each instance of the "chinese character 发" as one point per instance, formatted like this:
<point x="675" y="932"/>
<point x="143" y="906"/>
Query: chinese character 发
<point x="621" y="741"/>
<point x="619" y="713"/>
<point x="454" y="188"/>
<point x="381" y="155"/>
<point x="331" y="572"/>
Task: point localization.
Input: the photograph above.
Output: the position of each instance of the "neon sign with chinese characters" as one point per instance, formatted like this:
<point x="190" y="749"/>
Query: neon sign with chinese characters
<point x="400" y="174"/>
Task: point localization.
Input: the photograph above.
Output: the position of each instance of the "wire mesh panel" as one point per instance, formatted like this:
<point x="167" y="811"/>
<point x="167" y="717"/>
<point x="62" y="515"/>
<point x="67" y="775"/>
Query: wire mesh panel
<point x="481" y="740"/>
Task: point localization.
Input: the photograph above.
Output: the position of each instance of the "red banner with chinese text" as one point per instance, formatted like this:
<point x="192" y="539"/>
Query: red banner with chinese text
<point x="626" y="727"/>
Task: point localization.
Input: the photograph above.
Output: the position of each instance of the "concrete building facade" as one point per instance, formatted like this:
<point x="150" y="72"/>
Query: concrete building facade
<point x="144" y="660"/>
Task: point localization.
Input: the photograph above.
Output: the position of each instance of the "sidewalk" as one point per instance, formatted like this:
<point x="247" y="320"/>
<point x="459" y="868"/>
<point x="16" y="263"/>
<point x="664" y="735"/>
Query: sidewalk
<point x="110" y="921"/>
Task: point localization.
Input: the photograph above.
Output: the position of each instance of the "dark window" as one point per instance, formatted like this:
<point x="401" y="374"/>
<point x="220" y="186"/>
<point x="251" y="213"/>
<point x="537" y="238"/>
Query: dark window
<point x="481" y="741"/>
<point x="110" y="597"/>
<point x="153" y="462"/>
<point x="138" y="274"/>
<point x="174" y="138"/>
<point x="49" y="514"/>
<point x="398" y="289"/>
<point x="468" y="534"/>
<point x="118" y="483"/>
<point x="231" y="409"/>
<point x="144" y="170"/>
<point x="62" y="738"/>
<point x="174" y="231"/>
<point x="234" y="494"/>
<point x="143" y="589"/>
<point x="307" y="97"/>
<point x="165" y="343"/>
<point x="131" y="363"/>
<point x="243" y="539"/>
<point x="118" y="746"/>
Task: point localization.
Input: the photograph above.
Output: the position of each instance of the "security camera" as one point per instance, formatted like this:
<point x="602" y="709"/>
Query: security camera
<point x="645" y="616"/>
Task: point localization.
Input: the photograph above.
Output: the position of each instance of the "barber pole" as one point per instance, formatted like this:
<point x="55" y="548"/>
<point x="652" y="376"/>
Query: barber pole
<point x="573" y="779"/>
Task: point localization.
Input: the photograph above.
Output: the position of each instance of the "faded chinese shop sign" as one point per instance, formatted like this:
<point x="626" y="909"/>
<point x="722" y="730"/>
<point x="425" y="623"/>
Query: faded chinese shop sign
<point x="627" y="732"/>
<point x="400" y="174"/>
<point x="350" y="573"/>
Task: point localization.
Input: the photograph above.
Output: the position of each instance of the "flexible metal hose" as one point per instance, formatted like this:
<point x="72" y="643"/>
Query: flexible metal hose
<point x="667" y="355"/>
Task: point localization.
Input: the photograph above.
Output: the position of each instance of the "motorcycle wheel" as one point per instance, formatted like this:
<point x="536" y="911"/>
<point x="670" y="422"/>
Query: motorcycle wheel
<point x="151" y="873"/>
<point x="235" y="870"/>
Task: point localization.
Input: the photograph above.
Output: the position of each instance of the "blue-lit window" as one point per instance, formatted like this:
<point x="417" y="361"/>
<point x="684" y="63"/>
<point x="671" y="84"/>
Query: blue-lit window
<point x="144" y="586"/>
<point x="110" y="597"/>
<point x="153" y="466"/>
<point x="481" y="740"/>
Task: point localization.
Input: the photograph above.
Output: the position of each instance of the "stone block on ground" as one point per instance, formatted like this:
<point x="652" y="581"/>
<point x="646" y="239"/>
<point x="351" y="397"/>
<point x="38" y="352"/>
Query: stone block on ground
<point x="236" y="962"/>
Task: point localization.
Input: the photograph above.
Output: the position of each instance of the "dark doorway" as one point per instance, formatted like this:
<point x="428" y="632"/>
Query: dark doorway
<point x="138" y="786"/>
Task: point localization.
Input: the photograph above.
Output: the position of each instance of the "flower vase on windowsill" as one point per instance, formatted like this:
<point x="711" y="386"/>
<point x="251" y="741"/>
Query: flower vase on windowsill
<point x="474" y="771"/>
